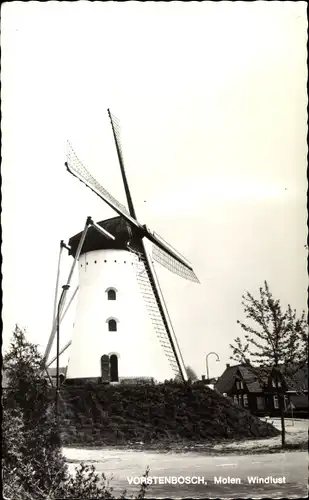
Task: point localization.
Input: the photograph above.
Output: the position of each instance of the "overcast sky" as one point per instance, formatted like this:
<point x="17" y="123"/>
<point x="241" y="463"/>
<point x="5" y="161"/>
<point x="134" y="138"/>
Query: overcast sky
<point x="212" y="102"/>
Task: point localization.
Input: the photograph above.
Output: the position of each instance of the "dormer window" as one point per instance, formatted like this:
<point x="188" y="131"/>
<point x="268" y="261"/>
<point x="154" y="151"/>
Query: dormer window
<point x="274" y="382"/>
<point x="111" y="293"/>
<point x="239" y="384"/>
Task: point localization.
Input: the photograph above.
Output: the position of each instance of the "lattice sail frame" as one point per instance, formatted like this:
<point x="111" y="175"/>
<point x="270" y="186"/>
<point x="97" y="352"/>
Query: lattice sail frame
<point x="117" y="129"/>
<point x="176" y="267"/>
<point x="75" y="166"/>
<point x="158" y="254"/>
<point x="173" y="264"/>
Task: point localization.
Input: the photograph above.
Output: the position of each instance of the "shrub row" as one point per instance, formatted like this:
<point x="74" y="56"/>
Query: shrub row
<point x="102" y="414"/>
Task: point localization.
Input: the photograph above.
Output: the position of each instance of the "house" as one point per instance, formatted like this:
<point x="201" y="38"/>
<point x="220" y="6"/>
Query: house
<point x="238" y="383"/>
<point x="258" y="393"/>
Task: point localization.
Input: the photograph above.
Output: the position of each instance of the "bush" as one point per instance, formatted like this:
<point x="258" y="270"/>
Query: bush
<point x="154" y="409"/>
<point x="88" y="484"/>
<point x="33" y="467"/>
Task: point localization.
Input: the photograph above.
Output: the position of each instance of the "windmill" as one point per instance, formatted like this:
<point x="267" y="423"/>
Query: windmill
<point x="110" y="340"/>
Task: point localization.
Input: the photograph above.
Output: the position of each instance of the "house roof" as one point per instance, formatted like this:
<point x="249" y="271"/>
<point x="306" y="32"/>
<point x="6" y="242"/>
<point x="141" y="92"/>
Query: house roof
<point x="297" y="381"/>
<point x="226" y="381"/>
<point x="253" y="383"/>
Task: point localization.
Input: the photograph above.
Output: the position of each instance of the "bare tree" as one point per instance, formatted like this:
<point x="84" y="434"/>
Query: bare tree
<point x="276" y="342"/>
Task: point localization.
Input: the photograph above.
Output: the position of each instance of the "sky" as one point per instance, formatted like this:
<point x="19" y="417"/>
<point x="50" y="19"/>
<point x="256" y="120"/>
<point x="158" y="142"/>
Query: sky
<point x="212" y="103"/>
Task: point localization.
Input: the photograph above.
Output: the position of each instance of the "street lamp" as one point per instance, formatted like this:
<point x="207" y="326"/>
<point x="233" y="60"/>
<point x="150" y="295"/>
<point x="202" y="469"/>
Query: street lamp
<point x="64" y="289"/>
<point x="207" y="369"/>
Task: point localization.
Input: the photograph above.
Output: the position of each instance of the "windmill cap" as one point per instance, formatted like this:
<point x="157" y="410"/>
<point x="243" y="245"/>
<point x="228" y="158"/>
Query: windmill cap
<point x="94" y="240"/>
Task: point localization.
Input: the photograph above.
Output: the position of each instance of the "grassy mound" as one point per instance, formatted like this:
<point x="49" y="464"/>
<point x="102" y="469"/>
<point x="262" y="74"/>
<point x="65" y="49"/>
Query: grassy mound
<point x="122" y="414"/>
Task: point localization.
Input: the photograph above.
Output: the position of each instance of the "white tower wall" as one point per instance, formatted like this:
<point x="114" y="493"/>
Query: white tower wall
<point x="135" y="342"/>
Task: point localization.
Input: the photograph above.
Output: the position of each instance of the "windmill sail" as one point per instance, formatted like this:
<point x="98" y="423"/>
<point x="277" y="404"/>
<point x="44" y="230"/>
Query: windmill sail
<point x="173" y="265"/>
<point x="163" y="252"/>
<point x="76" y="168"/>
<point x="176" y="265"/>
<point x="116" y="132"/>
<point x="160" y="320"/>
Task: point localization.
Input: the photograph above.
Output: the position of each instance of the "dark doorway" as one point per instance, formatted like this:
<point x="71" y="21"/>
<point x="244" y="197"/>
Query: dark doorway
<point x="113" y="368"/>
<point x="105" y="369"/>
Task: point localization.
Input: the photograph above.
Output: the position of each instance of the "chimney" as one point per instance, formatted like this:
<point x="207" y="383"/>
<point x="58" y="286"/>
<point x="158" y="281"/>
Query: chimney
<point x="228" y="365"/>
<point x="203" y="377"/>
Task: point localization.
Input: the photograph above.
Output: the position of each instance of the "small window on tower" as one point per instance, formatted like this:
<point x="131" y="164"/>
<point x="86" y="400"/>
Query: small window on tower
<point x="111" y="294"/>
<point x="112" y="325"/>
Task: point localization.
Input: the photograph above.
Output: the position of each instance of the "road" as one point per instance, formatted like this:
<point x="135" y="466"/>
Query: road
<point x="291" y="467"/>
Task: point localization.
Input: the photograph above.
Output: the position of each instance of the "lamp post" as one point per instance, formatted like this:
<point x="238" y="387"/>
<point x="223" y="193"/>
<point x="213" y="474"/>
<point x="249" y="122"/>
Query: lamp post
<point x="64" y="289"/>
<point x="207" y="369"/>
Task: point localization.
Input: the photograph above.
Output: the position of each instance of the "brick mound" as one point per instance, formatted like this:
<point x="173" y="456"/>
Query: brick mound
<point x="121" y="414"/>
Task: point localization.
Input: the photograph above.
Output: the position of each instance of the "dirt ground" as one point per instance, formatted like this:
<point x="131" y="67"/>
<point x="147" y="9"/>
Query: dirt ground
<point x="119" y="466"/>
<point x="296" y="437"/>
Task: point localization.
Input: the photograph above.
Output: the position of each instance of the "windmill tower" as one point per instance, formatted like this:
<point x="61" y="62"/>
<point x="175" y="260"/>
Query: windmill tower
<point x="113" y="339"/>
